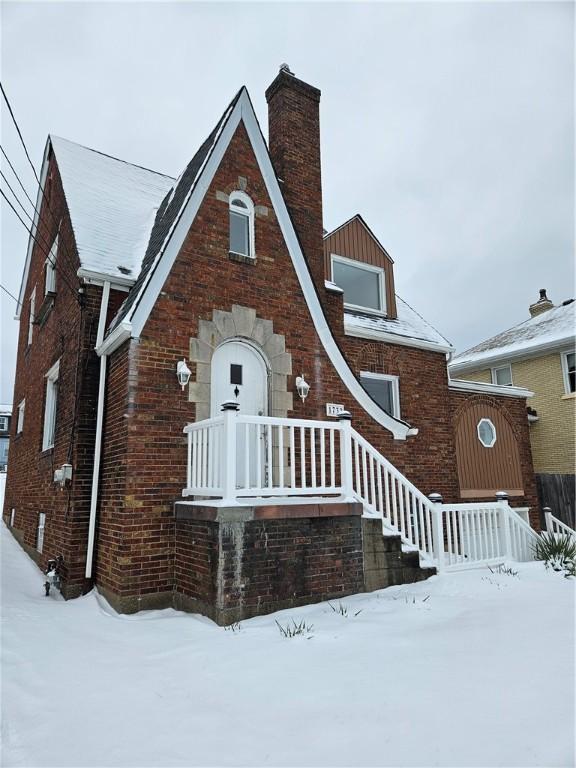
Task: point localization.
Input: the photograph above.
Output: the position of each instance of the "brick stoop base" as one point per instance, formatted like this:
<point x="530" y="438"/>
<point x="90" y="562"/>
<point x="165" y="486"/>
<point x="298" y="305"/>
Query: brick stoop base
<point x="232" y="563"/>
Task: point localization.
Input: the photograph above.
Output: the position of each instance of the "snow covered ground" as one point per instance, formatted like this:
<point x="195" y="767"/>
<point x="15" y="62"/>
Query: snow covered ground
<point x="471" y="669"/>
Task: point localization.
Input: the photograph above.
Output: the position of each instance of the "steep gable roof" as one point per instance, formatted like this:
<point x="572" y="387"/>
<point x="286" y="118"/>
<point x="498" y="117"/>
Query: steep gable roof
<point x="112" y="205"/>
<point x="134" y="317"/>
<point x="168" y="214"/>
<point x="547" y="331"/>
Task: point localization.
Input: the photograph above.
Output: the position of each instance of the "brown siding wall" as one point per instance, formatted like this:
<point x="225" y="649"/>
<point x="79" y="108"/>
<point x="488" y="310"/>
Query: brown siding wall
<point x="355" y="242"/>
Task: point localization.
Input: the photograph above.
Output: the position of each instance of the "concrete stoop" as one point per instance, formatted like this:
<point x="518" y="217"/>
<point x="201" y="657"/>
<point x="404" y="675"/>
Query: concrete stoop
<point x="385" y="563"/>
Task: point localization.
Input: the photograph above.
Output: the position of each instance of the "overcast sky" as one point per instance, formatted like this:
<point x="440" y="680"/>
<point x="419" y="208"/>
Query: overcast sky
<point x="448" y="126"/>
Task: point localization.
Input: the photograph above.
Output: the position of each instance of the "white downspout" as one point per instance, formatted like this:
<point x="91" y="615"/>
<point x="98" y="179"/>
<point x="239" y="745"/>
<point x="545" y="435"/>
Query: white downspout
<point x="99" y="422"/>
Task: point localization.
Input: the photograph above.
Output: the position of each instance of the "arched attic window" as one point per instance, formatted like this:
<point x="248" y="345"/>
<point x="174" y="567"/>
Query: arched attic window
<point x="241" y="224"/>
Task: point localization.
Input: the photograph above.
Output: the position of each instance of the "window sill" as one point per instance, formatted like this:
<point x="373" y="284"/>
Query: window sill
<point x="365" y="310"/>
<point x="569" y="396"/>
<point x="46" y="452"/>
<point x="241" y="258"/>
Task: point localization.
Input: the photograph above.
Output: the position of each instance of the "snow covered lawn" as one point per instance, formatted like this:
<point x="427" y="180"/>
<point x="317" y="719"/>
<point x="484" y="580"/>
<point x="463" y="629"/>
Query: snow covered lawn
<point x="471" y="669"/>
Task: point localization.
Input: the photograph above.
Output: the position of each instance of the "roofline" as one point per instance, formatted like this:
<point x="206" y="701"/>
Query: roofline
<point x="243" y="110"/>
<point x="535" y="350"/>
<point x="366" y="227"/>
<point x="111" y="157"/>
<point x="488" y="389"/>
<point x="119" y="335"/>
<point x="99" y="278"/>
<point x="392" y="338"/>
<point x="32" y="235"/>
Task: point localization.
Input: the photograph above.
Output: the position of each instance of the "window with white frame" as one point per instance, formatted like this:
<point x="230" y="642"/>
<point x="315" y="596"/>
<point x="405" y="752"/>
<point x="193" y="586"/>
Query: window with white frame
<point x="384" y="389"/>
<point x="502" y="376"/>
<point x="363" y="284"/>
<point x="50" y="406"/>
<point x="569" y="371"/>
<point x="50" y="267"/>
<point x="486" y="433"/>
<point x="241" y="224"/>
<point x="3" y="423"/>
<point x="31" y="316"/>
<point x="40" y="531"/>
<point x="20" y="417"/>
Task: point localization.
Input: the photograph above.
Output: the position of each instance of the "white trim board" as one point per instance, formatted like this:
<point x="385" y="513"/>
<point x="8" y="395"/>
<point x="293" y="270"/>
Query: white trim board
<point x="507" y="355"/>
<point x="488" y="389"/>
<point x="244" y="111"/>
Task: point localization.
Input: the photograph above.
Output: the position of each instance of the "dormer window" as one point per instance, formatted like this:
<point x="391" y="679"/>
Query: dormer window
<point x="363" y="284"/>
<point x="241" y="225"/>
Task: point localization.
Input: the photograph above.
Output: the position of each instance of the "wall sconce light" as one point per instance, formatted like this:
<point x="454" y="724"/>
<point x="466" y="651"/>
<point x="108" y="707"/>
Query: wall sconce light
<point x="302" y="387"/>
<point x="183" y="373"/>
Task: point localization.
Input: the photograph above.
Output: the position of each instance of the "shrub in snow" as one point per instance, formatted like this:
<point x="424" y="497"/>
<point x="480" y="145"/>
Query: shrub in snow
<point x="292" y="630"/>
<point x="557" y="551"/>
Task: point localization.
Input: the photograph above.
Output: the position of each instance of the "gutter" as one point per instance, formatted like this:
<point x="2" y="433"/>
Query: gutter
<point x="392" y="338"/>
<point x="535" y="350"/>
<point x="488" y="389"/>
<point x="99" y="424"/>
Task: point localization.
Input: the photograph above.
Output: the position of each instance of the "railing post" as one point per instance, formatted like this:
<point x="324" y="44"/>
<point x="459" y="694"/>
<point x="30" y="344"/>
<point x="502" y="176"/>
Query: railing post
<point x="505" y="539"/>
<point x="438" y="531"/>
<point x="548" y="519"/>
<point x="346" y="475"/>
<point x="228" y="465"/>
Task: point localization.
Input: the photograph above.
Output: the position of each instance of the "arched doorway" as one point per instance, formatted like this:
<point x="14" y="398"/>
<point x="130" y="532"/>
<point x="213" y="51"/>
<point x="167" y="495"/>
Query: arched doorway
<point x="239" y="372"/>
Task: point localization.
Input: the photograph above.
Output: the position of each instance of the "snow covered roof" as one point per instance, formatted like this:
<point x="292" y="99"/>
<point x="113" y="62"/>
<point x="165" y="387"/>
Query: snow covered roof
<point x="168" y="214"/>
<point x="548" y="330"/>
<point x="409" y="328"/>
<point x="112" y="207"/>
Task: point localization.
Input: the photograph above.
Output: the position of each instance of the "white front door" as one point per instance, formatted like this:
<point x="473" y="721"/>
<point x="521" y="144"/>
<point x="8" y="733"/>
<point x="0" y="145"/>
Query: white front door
<point x="239" y="374"/>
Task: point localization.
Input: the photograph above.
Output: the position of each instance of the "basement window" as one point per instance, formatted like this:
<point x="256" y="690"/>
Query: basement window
<point x="50" y="407"/>
<point x="502" y="376"/>
<point x="384" y="389"/>
<point x="569" y="371"/>
<point x="363" y="284"/>
<point x="241" y="225"/>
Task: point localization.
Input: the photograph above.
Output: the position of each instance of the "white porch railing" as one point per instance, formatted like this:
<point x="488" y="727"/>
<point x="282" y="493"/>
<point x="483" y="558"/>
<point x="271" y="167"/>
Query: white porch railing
<point x="555" y="526"/>
<point x="235" y="457"/>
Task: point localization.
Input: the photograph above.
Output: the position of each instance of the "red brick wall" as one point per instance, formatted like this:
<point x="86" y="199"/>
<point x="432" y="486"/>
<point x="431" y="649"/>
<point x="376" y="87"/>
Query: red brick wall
<point x="68" y="334"/>
<point x="203" y="278"/>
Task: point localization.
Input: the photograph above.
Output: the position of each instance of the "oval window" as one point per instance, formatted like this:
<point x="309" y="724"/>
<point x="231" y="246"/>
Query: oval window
<point x="486" y="433"/>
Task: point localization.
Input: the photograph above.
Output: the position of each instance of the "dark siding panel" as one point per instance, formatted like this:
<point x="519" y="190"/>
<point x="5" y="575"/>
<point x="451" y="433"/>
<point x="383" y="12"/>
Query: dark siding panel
<point x="354" y="242"/>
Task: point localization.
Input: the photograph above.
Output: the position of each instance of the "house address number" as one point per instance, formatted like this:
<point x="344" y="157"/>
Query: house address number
<point x="334" y="409"/>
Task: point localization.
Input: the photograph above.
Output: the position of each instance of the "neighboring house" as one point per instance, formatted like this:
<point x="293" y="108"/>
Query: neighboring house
<point x="201" y="337"/>
<point x="5" y="418"/>
<point x="538" y="354"/>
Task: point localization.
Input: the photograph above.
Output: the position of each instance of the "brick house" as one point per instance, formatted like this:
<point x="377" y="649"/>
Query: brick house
<point x="539" y="354"/>
<point x="220" y="404"/>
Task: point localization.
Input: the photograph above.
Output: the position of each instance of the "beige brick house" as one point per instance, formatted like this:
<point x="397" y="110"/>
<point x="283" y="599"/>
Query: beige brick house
<point x="539" y="355"/>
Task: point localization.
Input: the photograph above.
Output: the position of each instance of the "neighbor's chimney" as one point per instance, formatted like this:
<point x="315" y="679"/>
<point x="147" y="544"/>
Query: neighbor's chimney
<point x="542" y="305"/>
<point x="294" y="144"/>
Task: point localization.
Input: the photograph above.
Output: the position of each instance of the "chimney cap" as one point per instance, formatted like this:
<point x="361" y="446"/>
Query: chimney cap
<point x="543" y="296"/>
<point x="286" y="68"/>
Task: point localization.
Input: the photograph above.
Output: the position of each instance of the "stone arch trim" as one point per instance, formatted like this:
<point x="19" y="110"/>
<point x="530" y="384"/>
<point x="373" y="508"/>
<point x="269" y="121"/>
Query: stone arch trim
<point x="240" y="323"/>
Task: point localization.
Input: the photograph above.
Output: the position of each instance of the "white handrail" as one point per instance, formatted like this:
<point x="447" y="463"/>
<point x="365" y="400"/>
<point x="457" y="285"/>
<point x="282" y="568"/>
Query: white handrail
<point x="556" y="526"/>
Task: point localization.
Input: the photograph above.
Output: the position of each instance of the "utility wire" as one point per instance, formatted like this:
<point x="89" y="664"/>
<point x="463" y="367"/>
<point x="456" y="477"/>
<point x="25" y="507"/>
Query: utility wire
<point x="44" y="197"/>
<point x="63" y="245"/>
<point x="29" y="230"/>
<point x="12" y="297"/>
<point x="19" y="133"/>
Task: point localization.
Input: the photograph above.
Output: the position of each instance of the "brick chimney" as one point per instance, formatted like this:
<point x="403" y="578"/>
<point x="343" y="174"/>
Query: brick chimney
<point x="294" y="144"/>
<point x="542" y="305"/>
